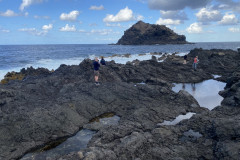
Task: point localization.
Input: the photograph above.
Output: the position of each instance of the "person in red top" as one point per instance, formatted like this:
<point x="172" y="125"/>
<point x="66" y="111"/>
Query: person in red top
<point x="195" y="62"/>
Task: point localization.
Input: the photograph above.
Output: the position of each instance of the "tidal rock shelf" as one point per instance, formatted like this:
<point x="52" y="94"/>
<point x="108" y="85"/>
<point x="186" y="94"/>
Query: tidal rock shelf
<point x="76" y="142"/>
<point x="44" y="107"/>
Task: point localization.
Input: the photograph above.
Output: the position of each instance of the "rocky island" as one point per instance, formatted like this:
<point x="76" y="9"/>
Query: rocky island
<point x="150" y="34"/>
<point x="46" y="106"/>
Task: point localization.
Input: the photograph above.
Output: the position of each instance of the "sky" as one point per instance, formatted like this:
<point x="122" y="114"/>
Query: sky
<point x="104" y="21"/>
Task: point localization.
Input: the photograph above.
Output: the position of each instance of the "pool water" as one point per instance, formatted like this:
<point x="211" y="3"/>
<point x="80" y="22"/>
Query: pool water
<point x="177" y="119"/>
<point x="206" y="92"/>
<point x="72" y="144"/>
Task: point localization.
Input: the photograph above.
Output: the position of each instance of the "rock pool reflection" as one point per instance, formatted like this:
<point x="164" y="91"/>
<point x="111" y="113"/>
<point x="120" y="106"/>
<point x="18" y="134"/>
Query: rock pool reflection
<point x="190" y="135"/>
<point x="110" y="120"/>
<point x="74" y="143"/>
<point x="206" y="92"/>
<point x="216" y="76"/>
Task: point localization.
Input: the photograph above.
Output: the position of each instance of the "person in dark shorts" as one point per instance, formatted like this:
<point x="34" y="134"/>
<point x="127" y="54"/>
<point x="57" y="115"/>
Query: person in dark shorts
<point x="96" y="66"/>
<point x="103" y="62"/>
<point x="185" y="59"/>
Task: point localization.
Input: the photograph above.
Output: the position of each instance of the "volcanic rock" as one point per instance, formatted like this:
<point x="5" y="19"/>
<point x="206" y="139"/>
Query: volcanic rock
<point x="150" y="34"/>
<point x="216" y="61"/>
<point x="45" y="107"/>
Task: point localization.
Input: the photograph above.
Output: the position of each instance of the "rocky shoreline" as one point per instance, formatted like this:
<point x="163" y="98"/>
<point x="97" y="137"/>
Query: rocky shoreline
<point x="45" y="106"/>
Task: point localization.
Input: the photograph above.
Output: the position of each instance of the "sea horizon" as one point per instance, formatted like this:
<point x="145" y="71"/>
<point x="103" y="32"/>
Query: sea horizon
<point x="109" y="43"/>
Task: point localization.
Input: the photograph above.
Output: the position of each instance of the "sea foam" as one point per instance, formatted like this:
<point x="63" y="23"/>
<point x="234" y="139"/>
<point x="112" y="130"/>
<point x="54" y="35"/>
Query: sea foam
<point x="53" y="64"/>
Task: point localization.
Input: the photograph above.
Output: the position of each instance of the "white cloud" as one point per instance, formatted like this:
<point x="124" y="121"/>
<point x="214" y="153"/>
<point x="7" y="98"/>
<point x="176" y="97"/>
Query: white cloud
<point x="101" y="32"/>
<point x="223" y="6"/>
<point x="82" y="31"/>
<point x="26" y="3"/>
<point x="161" y="21"/>
<point x="208" y="15"/>
<point x="97" y="8"/>
<point x="68" y="28"/>
<point x="5" y="30"/>
<point x="41" y="17"/>
<point x="125" y="14"/>
<point x="8" y="13"/>
<point x="47" y="27"/>
<point x="34" y="31"/>
<point x="106" y="39"/>
<point x="27" y="29"/>
<point x="210" y="31"/>
<point x="234" y="30"/>
<point x="26" y="14"/>
<point x="139" y="18"/>
<point x="176" y="15"/>
<point x="233" y="5"/>
<point x="93" y="24"/>
<point x="113" y="25"/>
<point x="194" y="28"/>
<point x="229" y="19"/>
<point x="72" y="16"/>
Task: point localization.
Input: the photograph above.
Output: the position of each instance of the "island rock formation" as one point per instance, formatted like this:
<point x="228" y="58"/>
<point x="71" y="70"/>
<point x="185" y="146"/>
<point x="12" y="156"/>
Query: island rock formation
<point x="150" y="34"/>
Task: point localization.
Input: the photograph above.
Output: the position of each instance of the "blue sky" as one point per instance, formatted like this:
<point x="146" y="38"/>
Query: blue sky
<point x="104" y="22"/>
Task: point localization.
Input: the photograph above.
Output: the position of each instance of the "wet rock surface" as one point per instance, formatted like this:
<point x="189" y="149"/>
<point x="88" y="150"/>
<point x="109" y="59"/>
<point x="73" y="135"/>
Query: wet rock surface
<point x="44" y="108"/>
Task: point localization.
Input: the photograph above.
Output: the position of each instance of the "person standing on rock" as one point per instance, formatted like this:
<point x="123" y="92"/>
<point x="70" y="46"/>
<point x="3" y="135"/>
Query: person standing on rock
<point x="195" y="62"/>
<point x="96" y="66"/>
<point x="185" y="59"/>
<point x="103" y="62"/>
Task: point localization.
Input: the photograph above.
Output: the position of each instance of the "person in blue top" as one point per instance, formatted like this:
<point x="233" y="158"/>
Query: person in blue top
<point x="103" y="62"/>
<point x="96" y="66"/>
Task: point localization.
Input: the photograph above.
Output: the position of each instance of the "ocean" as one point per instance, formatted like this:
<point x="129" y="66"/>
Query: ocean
<point x="16" y="57"/>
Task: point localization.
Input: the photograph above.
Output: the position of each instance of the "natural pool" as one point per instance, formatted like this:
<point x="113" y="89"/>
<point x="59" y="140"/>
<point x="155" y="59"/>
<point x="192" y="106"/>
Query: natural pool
<point x="190" y="135"/>
<point x="74" y="143"/>
<point x="177" y="119"/>
<point x="206" y="92"/>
